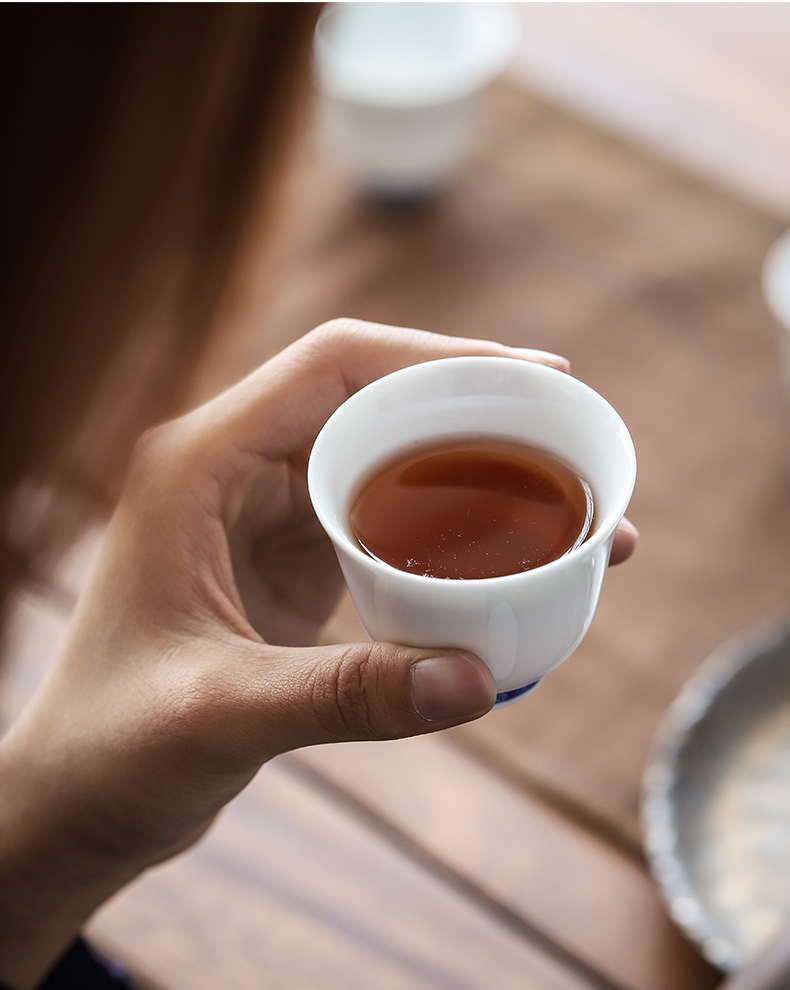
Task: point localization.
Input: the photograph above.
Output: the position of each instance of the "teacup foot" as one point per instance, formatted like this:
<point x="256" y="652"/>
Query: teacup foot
<point x="401" y="202"/>
<point x="508" y="697"/>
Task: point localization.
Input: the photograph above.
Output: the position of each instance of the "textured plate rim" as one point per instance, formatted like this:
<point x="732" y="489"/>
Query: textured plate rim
<point x="659" y="824"/>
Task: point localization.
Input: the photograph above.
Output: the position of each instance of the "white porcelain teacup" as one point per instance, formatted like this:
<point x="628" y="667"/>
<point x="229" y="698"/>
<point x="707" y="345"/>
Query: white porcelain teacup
<point x="400" y="84"/>
<point x="522" y="625"/>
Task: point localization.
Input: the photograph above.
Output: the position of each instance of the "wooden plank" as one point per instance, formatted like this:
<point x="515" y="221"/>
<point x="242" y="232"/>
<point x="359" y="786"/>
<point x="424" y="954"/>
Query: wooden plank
<point x="578" y="891"/>
<point x="292" y="891"/>
<point x="707" y="84"/>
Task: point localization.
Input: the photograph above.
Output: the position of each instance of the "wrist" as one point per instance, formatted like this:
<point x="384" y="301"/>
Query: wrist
<point x="50" y="881"/>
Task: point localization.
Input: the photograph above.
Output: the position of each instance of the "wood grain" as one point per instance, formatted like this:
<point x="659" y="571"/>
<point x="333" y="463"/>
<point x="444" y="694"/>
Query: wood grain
<point x="510" y="849"/>
<point x="705" y="83"/>
<point x="290" y="891"/>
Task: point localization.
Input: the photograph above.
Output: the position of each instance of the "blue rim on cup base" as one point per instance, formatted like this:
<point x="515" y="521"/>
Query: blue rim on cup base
<point x="505" y="698"/>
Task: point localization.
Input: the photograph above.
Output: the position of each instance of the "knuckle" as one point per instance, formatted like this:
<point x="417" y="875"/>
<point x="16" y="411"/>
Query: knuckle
<point x="340" y="326"/>
<point x="199" y="717"/>
<point x="194" y="697"/>
<point x="344" y="692"/>
<point x="167" y="453"/>
<point x="339" y="332"/>
<point x="147" y="442"/>
<point x="153" y="447"/>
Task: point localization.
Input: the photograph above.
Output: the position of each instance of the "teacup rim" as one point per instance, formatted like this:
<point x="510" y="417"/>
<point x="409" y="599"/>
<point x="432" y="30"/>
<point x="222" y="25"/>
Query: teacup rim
<point x="601" y="533"/>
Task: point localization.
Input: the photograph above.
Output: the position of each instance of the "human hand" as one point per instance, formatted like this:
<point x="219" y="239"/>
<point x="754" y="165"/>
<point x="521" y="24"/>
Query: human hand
<point x="189" y="661"/>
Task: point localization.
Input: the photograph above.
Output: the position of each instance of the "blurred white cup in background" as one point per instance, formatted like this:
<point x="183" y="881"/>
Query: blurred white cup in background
<point x="400" y="85"/>
<point x="776" y="288"/>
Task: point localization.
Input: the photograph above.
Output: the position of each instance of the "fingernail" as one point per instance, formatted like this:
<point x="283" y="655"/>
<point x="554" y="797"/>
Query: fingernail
<point x="627" y="526"/>
<point x="545" y="357"/>
<point x="450" y="686"/>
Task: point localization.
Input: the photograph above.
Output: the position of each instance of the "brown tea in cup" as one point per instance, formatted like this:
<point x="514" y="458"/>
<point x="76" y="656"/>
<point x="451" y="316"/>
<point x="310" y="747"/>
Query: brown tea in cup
<point x="465" y="509"/>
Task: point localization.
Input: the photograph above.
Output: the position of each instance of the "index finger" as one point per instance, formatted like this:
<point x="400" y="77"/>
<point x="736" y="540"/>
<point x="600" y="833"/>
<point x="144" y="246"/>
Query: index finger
<point x="280" y="408"/>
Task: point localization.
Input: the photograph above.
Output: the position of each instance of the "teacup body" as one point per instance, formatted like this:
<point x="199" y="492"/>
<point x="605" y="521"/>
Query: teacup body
<point x="400" y="85"/>
<point x="523" y="625"/>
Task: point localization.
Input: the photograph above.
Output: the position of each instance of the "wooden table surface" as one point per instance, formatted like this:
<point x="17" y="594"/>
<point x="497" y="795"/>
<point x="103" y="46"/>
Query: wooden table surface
<point x="505" y="853"/>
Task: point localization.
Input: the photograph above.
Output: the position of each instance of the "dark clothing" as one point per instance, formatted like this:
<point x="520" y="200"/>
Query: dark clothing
<point x="82" y="968"/>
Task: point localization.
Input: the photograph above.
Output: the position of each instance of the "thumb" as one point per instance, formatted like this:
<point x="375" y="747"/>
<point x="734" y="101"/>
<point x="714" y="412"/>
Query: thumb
<point x="373" y="691"/>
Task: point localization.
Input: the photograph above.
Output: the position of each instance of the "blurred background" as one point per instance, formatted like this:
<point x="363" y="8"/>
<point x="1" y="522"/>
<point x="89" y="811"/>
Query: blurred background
<point x="609" y="180"/>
